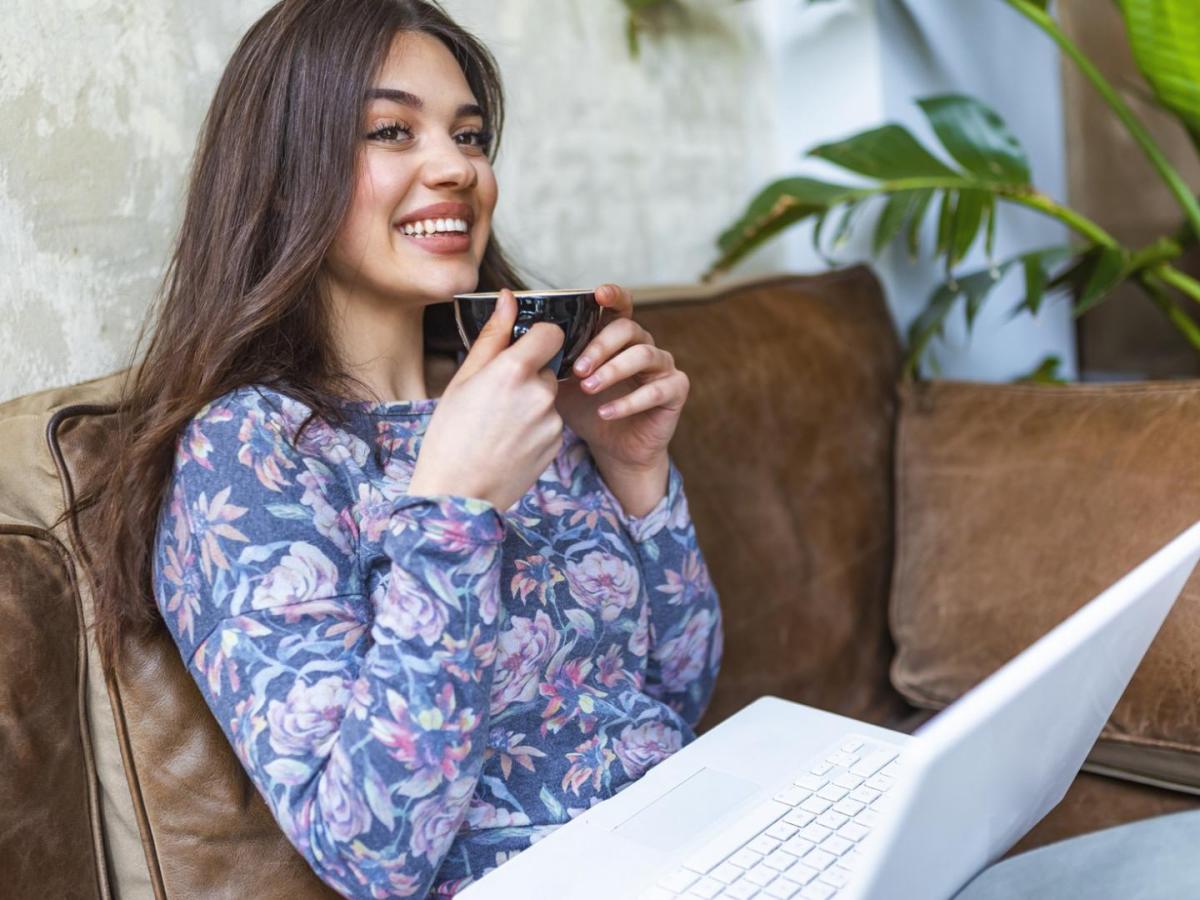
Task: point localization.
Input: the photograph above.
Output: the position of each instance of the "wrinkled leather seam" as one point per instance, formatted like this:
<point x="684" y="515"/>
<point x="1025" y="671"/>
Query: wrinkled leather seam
<point x="89" y="764"/>
<point x="114" y="693"/>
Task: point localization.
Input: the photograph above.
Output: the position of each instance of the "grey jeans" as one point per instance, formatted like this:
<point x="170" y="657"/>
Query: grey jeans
<point x="1154" y="859"/>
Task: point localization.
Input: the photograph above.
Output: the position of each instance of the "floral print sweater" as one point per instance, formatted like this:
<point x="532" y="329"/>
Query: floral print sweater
<point x="421" y="687"/>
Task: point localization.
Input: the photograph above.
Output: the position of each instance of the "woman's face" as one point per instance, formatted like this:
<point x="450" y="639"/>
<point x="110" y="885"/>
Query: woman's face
<point x="423" y="146"/>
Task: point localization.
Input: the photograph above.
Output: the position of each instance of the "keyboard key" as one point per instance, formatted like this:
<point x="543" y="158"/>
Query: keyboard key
<point x="832" y="792"/>
<point x="864" y="794"/>
<point x="814" y="832"/>
<point x="797" y="846"/>
<point x="743" y="890"/>
<point x="781" y="888"/>
<point x="852" y="745"/>
<point x="872" y="763"/>
<point x="727" y="873"/>
<point x="853" y="831"/>
<point x="843" y="760"/>
<point x="813" y="782"/>
<point x="781" y="830"/>
<point x="728" y="841"/>
<point x="849" y="807"/>
<point x="802" y="872"/>
<point x="836" y="845"/>
<point x="819" y="859"/>
<point x="831" y="819"/>
<point x="706" y="888"/>
<point x="678" y="881"/>
<point x="745" y="858"/>
<point x="836" y="877"/>
<point x="817" y="891"/>
<point x="867" y="817"/>
<point x="799" y="818"/>
<point x="815" y="805"/>
<point x="851" y="860"/>
<point x="792" y="796"/>
<point x="846" y="780"/>
<point x="763" y="844"/>
<point x="892" y="769"/>
<point x="820" y="768"/>
<point x="780" y="860"/>
<point x="880" y="782"/>
<point x="761" y="875"/>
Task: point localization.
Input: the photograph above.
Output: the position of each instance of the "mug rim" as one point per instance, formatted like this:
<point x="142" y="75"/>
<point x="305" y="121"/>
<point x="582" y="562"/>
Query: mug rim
<point x="486" y="295"/>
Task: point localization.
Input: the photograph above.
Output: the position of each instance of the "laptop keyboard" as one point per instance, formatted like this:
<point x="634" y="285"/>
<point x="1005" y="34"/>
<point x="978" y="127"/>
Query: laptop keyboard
<point x="803" y="843"/>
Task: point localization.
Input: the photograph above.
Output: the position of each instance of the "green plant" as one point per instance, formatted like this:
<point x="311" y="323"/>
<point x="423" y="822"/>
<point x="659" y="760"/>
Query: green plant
<point x="989" y="167"/>
<point x="641" y="14"/>
<point x="644" y="14"/>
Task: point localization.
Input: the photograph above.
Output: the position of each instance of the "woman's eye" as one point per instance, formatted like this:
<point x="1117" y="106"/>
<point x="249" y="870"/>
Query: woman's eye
<point x="390" y="133"/>
<point x="479" y="139"/>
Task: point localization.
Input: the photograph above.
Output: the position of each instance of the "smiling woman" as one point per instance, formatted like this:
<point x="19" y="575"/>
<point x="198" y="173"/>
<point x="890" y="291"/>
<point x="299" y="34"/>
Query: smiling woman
<point x="431" y="628"/>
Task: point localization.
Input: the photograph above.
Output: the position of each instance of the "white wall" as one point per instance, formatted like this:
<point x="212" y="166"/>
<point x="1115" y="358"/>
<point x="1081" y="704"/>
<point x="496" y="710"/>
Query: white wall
<point x="610" y="168"/>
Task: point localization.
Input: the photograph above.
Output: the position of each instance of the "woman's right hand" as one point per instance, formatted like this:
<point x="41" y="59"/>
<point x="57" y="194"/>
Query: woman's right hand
<point x="495" y="429"/>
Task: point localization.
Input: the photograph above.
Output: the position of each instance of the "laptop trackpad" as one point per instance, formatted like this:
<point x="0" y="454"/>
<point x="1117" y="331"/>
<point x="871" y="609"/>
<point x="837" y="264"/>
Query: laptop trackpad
<point x="686" y="809"/>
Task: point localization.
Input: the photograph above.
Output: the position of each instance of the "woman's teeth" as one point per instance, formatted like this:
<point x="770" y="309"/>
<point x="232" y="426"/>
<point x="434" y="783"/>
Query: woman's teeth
<point x="435" y="226"/>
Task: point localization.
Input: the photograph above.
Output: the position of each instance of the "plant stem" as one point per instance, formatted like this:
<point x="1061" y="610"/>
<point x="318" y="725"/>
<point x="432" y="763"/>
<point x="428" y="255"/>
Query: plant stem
<point x="1153" y="288"/>
<point x="1182" y="282"/>
<point x="1023" y="196"/>
<point x="1136" y="129"/>
<point x="1077" y="222"/>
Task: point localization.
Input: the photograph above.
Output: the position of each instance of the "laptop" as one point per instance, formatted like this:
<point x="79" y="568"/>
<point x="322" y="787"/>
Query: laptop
<point x="785" y="801"/>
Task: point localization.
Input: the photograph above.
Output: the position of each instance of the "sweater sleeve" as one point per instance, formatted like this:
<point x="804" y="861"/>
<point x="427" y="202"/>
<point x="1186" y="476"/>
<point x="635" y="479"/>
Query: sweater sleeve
<point x="362" y="720"/>
<point x="686" y="638"/>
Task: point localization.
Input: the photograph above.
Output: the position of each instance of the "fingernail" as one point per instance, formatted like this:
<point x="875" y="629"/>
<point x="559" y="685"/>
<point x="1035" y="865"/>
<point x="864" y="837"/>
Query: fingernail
<point x="582" y="364"/>
<point x="591" y="382"/>
<point x="606" y="411"/>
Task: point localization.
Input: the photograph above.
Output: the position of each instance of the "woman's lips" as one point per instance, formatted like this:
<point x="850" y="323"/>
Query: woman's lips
<point x="441" y="244"/>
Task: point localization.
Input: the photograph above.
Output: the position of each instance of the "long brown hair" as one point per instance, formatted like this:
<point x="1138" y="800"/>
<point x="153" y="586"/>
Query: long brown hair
<point x="271" y="181"/>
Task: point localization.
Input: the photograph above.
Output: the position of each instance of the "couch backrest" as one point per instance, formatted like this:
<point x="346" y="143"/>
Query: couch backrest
<point x="785" y="447"/>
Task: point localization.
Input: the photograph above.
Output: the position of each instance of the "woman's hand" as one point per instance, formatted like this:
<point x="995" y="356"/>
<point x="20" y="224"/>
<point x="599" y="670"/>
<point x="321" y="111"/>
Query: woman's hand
<point x="496" y="428"/>
<point x="624" y="400"/>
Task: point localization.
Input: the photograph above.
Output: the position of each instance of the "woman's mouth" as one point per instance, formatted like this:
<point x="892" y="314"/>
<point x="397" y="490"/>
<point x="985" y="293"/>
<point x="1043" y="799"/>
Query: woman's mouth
<point x="441" y="236"/>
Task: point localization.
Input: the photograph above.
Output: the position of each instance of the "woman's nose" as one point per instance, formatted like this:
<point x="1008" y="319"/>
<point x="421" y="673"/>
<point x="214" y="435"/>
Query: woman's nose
<point x="447" y="165"/>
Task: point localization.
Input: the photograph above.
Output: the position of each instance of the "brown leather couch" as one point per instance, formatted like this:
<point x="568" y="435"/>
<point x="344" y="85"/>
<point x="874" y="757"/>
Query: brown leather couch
<point x="878" y="548"/>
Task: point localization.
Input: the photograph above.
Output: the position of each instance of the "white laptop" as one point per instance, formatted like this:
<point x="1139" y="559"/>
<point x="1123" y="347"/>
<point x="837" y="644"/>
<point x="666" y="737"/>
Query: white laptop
<point x="785" y="801"/>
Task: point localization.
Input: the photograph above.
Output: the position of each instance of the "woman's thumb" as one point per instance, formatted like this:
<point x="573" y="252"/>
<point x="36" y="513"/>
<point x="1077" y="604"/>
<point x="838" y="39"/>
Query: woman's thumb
<point x="495" y="336"/>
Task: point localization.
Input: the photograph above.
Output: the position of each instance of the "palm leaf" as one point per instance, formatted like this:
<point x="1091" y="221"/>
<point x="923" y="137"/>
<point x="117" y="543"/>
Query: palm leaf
<point x="1165" y="38"/>
<point x="777" y="206"/>
<point x="885" y="153"/>
<point x="977" y="138"/>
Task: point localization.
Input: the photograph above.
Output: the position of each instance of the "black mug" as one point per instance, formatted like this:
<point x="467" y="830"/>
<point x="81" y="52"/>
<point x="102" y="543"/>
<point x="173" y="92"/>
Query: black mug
<point x="577" y="313"/>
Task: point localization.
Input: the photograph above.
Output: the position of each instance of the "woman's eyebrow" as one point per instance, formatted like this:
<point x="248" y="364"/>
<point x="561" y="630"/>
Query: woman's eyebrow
<point x="406" y="99"/>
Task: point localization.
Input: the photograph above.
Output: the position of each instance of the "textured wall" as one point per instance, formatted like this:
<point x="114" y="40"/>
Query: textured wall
<point x="611" y="169"/>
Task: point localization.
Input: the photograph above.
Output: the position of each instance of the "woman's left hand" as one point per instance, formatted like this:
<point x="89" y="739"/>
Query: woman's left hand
<point x="628" y="377"/>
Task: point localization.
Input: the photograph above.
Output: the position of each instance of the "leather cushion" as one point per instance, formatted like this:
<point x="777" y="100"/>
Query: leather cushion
<point x="1016" y="504"/>
<point x="785" y="446"/>
<point x="47" y="844"/>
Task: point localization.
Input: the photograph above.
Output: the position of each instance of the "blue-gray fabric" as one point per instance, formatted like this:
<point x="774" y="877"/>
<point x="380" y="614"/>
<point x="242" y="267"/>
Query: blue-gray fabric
<point x="1154" y="859"/>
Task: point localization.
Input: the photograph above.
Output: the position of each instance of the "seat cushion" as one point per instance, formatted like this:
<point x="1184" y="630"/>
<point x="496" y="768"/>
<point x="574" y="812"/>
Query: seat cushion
<point x="1017" y="504"/>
